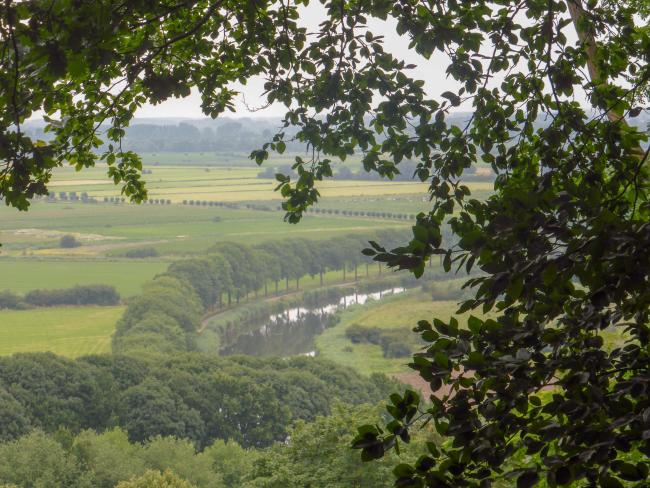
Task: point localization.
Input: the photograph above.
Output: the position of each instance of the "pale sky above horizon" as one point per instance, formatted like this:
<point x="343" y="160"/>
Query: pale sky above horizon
<point x="432" y="71"/>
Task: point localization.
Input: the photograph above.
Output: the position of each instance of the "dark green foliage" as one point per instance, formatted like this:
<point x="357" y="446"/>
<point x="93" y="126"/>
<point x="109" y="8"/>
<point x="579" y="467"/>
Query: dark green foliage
<point x="53" y="391"/>
<point x="78" y="295"/>
<point x="13" y="421"/>
<point x="11" y="301"/>
<point x="69" y="241"/>
<point x="151" y="408"/>
<point x="142" y="252"/>
<point x="202" y="398"/>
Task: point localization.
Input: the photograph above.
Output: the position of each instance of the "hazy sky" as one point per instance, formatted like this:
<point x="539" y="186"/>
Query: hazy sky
<point x="432" y="71"/>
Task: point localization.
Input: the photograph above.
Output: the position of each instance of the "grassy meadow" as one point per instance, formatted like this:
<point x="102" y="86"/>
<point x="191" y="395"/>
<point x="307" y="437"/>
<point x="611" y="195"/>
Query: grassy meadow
<point x="68" y="331"/>
<point x="401" y="312"/>
<point x="23" y="275"/>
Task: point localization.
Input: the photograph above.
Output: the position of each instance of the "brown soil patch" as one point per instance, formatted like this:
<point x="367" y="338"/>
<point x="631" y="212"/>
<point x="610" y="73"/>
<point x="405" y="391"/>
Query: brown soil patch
<point x="415" y="381"/>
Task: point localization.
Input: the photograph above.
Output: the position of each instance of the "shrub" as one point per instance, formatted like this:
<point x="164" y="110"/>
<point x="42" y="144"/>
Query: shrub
<point x="141" y="252"/>
<point x="359" y="334"/>
<point x="78" y="295"/>
<point x="11" y="301"/>
<point x="69" y="241"/>
<point x="391" y="342"/>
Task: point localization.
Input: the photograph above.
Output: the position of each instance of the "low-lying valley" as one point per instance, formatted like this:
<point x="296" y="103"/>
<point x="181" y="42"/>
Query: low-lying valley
<point x="169" y="318"/>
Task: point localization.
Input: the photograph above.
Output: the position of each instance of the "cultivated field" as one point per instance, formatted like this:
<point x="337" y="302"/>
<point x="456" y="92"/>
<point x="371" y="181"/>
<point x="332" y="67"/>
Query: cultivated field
<point x="23" y="275"/>
<point x="247" y="212"/>
<point x="68" y="331"/>
<point x="178" y="183"/>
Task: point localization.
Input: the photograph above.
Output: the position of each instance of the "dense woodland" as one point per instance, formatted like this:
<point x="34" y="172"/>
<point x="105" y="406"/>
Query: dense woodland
<point x="188" y="396"/>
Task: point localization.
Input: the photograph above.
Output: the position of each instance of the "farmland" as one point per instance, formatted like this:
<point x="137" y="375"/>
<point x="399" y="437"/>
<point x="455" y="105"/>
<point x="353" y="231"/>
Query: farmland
<point x="207" y="199"/>
<point x="247" y="212"/>
<point x="229" y="184"/>
<point x="68" y="331"/>
<point x="23" y="275"/>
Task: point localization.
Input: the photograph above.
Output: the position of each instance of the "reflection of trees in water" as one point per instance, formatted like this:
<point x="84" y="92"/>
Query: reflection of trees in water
<point x="282" y="337"/>
<point x="291" y="332"/>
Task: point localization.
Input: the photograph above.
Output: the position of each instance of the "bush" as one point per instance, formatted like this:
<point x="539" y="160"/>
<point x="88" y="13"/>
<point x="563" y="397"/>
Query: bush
<point x="11" y="301"/>
<point x="393" y="348"/>
<point x="359" y="334"/>
<point x="78" y="295"/>
<point x="69" y="241"/>
<point x="142" y="252"/>
<point x="391" y="342"/>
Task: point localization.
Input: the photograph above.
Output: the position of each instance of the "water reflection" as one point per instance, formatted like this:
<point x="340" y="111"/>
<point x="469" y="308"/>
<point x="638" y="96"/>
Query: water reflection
<point x="292" y="332"/>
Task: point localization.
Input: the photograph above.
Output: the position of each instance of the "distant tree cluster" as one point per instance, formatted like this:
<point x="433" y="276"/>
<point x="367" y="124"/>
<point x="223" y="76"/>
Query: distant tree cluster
<point x="158" y="201"/>
<point x="114" y="200"/>
<point x="11" y="301"/>
<point x="362" y="213"/>
<point x="79" y="295"/>
<point x="232" y="205"/>
<point x="211" y="203"/>
<point x="71" y="196"/>
<point x="141" y="252"/>
<point x="202" y="398"/>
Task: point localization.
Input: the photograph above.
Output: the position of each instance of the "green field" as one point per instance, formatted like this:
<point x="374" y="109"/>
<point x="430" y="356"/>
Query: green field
<point x="68" y="331"/>
<point x="23" y="275"/>
<point x="224" y="184"/>
<point x="177" y="229"/>
<point x="400" y="312"/>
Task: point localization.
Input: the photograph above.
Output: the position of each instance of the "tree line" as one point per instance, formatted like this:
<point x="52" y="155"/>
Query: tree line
<point x="166" y="316"/>
<point x="198" y="397"/>
<point x="78" y="295"/>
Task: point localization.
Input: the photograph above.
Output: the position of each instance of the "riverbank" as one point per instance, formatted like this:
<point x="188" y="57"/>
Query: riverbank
<point x="223" y="328"/>
<point x="395" y="316"/>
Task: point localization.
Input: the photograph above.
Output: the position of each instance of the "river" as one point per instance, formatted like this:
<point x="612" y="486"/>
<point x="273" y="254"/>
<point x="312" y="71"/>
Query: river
<point x="293" y="331"/>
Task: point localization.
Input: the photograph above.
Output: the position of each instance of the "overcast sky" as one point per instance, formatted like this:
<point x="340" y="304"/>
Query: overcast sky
<point x="432" y="71"/>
